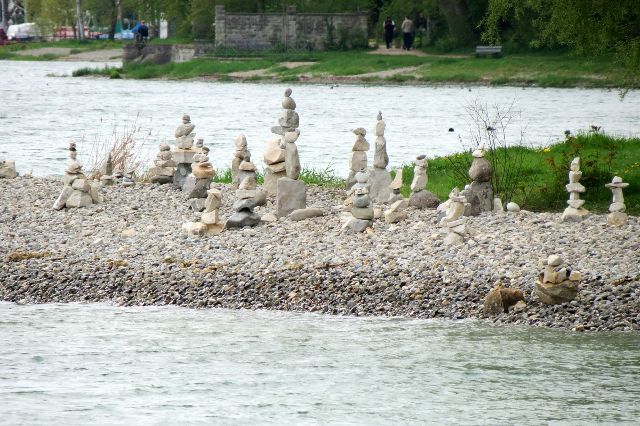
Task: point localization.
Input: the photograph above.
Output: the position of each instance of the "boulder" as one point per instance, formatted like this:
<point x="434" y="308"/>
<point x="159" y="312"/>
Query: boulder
<point x="481" y="170"/>
<point x="354" y="225"/>
<point x="379" y="181"/>
<point x="500" y="299"/>
<point x="243" y="218"/>
<point x="555" y="294"/>
<point x="302" y="214"/>
<point x="79" y="199"/>
<point x="423" y="200"/>
<point x="479" y="197"/>
<point x="62" y="198"/>
<point x="196" y="188"/>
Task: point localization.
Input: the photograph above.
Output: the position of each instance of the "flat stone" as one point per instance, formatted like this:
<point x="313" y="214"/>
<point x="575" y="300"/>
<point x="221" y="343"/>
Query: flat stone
<point x="302" y="214"/>
<point x="291" y="195"/>
<point x="276" y="168"/>
<point x="555" y="294"/>
<point x="243" y="218"/>
<point x="269" y="218"/>
<point x="575" y="187"/>
<point x="96" y="196"/>
<point x="423" y="200"/>
<point x="260" y="199"/>
<point x="79" y="199"/>
<point x="183" y="155"/>
<point x="196" y="188"/>
<point x="203" y="170"/>
<point x="365" y="213"/>
<point x="194" y="228"/>
<point x="62" y="198"/>
<point x="246" y="193"/>
<point x="361" y="201"/>
<point x="354" y="225"/>
<point x="617" y="207"/>
<point x="292" y="161"/>
<point x="162" y="171"/>
<point x="81" y="185"/>
<point x="453" y="239"/>
<point x="215" y="229"/>
<point x="571" y="214"/>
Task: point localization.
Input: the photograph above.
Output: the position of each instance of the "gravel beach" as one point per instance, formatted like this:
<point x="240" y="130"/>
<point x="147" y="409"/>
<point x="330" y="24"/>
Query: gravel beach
<point x="131" y="251"/>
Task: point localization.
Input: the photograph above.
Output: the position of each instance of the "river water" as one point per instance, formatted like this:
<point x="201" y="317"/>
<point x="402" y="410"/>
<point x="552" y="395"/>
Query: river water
<point x="98" y="364"/>
<point x="42" y="108"/>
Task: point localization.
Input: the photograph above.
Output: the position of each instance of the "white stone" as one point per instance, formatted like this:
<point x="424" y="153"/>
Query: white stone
<point x="513" y="207"/>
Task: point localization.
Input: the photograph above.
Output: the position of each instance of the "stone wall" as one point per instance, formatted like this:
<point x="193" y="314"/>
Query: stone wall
<point x="257" y="31"/>
<point x="161" y="53"/>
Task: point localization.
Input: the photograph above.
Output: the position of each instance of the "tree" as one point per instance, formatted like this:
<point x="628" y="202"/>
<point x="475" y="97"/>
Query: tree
<point x="79" y="20"/>
<point x="5" y="14"/>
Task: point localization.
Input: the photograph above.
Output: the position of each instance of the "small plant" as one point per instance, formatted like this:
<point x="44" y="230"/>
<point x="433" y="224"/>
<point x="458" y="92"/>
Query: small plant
<point x="17" y="256"/>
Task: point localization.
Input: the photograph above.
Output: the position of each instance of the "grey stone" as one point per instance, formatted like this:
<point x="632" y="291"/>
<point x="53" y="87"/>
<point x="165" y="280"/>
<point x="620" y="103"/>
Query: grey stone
<point x="197" y="204"/>
<point x="292" y="161"/>
<point x="358" y="161"/>
<point x="250" y="203"/>
<point x="196" y="188"/>
<point x="513" y="207"/>
<point x="79" y="199"/>
<point x="479" y="197"/>
<point x="289" y="119"/>
<point x="354" y="225"/>
<point x="183" y="156"/>
<point x="161" y="180"/>
<point x="380" y="157"/>
<point x="292" y="195"/>
<point x="62" y="198"/>
<point x="8" y="170"/>
<point x="365" y="213"/>
<point x="270" y="185"/>
<point x="379" y="181"/>
<point x="423" y="200"/>
<point x="182" y="171"/>
<point x="243" y="218"/>
<point x="555" y="294"/>
<point x="302" y="214"/>
<point x="481" y="170"/>
<point x="94" y="192"/>
<point x="361" y="200"/>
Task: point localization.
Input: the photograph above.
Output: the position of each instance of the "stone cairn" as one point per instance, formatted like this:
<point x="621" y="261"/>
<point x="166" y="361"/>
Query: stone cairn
<point x="275" y="151"/>
<point x="184" y="152"/>
<point x="291" y="192"/>
<point x="128" y="179"/>
<point x="358" y="160"/>
<point x="556" y="284"/>
<point x="77" y="191"/>
<point x="479" y="193"/>
<point x="574" y="212"/>
<point x="210" y="222"/>
<point x="248" y="197"/>
<point x="164" y="167"/>
<point x="394" y="188"/>
<point x="8" y="169"/>
<point x="454" y="221"/>
<point x="421" y="198"/>
<point x="238" y="157"/>
<point x="198" y="182"/>
<point x="107" y="178"/>
<point x="617" y="216"/>
<point x="379" y="177"/>
<point x="362" y="210"/>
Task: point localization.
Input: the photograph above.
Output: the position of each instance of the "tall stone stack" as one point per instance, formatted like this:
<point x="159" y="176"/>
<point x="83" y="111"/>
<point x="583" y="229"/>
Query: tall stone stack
<point x="479" y="193"/>
<point x="198" y="181"/>
<point x="238" y="157"/>
<point x="575" y="212"/>
<point x="617" y="215"/>
<point x="77" y="191"/>
<point x="394" y="188"/>
<point x="248" y="197"/>
<point x="164" y="167"/>
<point x="108" y="178"/>
<point x="8" y="169"/>
<point x="421" y="198"/>
<point x="275" y="154"/>
<point x="184" y="152"/>
<point x="454" y="222"/>
<point x="358" y="159"/>
<point x="362" y="210"/>
<point x="379" y="177"/>
<point x="291" y="192"/>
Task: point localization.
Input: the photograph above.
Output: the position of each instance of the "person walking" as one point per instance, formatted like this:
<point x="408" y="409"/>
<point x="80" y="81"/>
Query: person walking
<point x="407" y="33"/>
<point x="389" y="28"/>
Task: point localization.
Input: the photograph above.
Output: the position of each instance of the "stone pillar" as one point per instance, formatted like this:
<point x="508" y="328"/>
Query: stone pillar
<point x="290" y="27"/>
<point x="220" y="24"/>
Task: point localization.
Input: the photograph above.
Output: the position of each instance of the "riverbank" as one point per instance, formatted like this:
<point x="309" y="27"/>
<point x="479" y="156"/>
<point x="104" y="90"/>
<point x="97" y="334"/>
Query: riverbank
<point x="375" y="66"/>
<point x="131" y="251"/>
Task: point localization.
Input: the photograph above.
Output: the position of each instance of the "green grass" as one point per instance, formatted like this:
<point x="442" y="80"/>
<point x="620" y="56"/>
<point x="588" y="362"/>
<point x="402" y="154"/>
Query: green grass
<point x="544" y="173"/>
<point x="311" y="176"/>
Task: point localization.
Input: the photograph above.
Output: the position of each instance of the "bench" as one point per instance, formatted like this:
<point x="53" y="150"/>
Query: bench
<point x="493" y="51"/>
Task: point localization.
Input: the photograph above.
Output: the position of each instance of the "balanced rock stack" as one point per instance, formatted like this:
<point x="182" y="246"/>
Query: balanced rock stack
<point x="8" y="169"/>
<point x="210" y="222"/>
<point x="164" y="167"/>
<point x="184" y="152"/>
<point x="291" y="192"/>
<point x="454" y="221"/>
<point x="238" y="157"/>
<point x="421" y="198"/>
<point x="379" y="177"/>
<point x="248" y="197"/>
<point x="77" y="191"/>
<point x="362" y="210"/>
<point x="556" y="284"/>
<point x="128" y="179"/>
<point x="479" y="193"/>
<point x="617" y="216"/>
<point x="107" y="178"/>
<point x="198" y="182"/>
<point x="394" y="188"/>
<point x="574" y="212"/>
<point x="358" y="157"/>
<point x="276" y="150"/>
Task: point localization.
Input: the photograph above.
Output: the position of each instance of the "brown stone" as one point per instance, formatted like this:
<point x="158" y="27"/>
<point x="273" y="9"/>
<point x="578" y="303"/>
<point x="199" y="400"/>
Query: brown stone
<point x="500" y="299"/>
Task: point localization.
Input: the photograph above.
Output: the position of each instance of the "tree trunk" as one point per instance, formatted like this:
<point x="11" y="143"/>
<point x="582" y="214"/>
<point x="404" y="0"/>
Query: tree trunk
<point x="456" y="12"/>
<point x="260" y="6"/>
<point x="5" y="14"/>
<point x="80" y="20"/>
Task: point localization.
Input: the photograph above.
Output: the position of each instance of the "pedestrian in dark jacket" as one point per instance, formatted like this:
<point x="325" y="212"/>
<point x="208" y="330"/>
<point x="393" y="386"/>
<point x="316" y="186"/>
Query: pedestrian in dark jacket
<point x="389" y="28"/>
